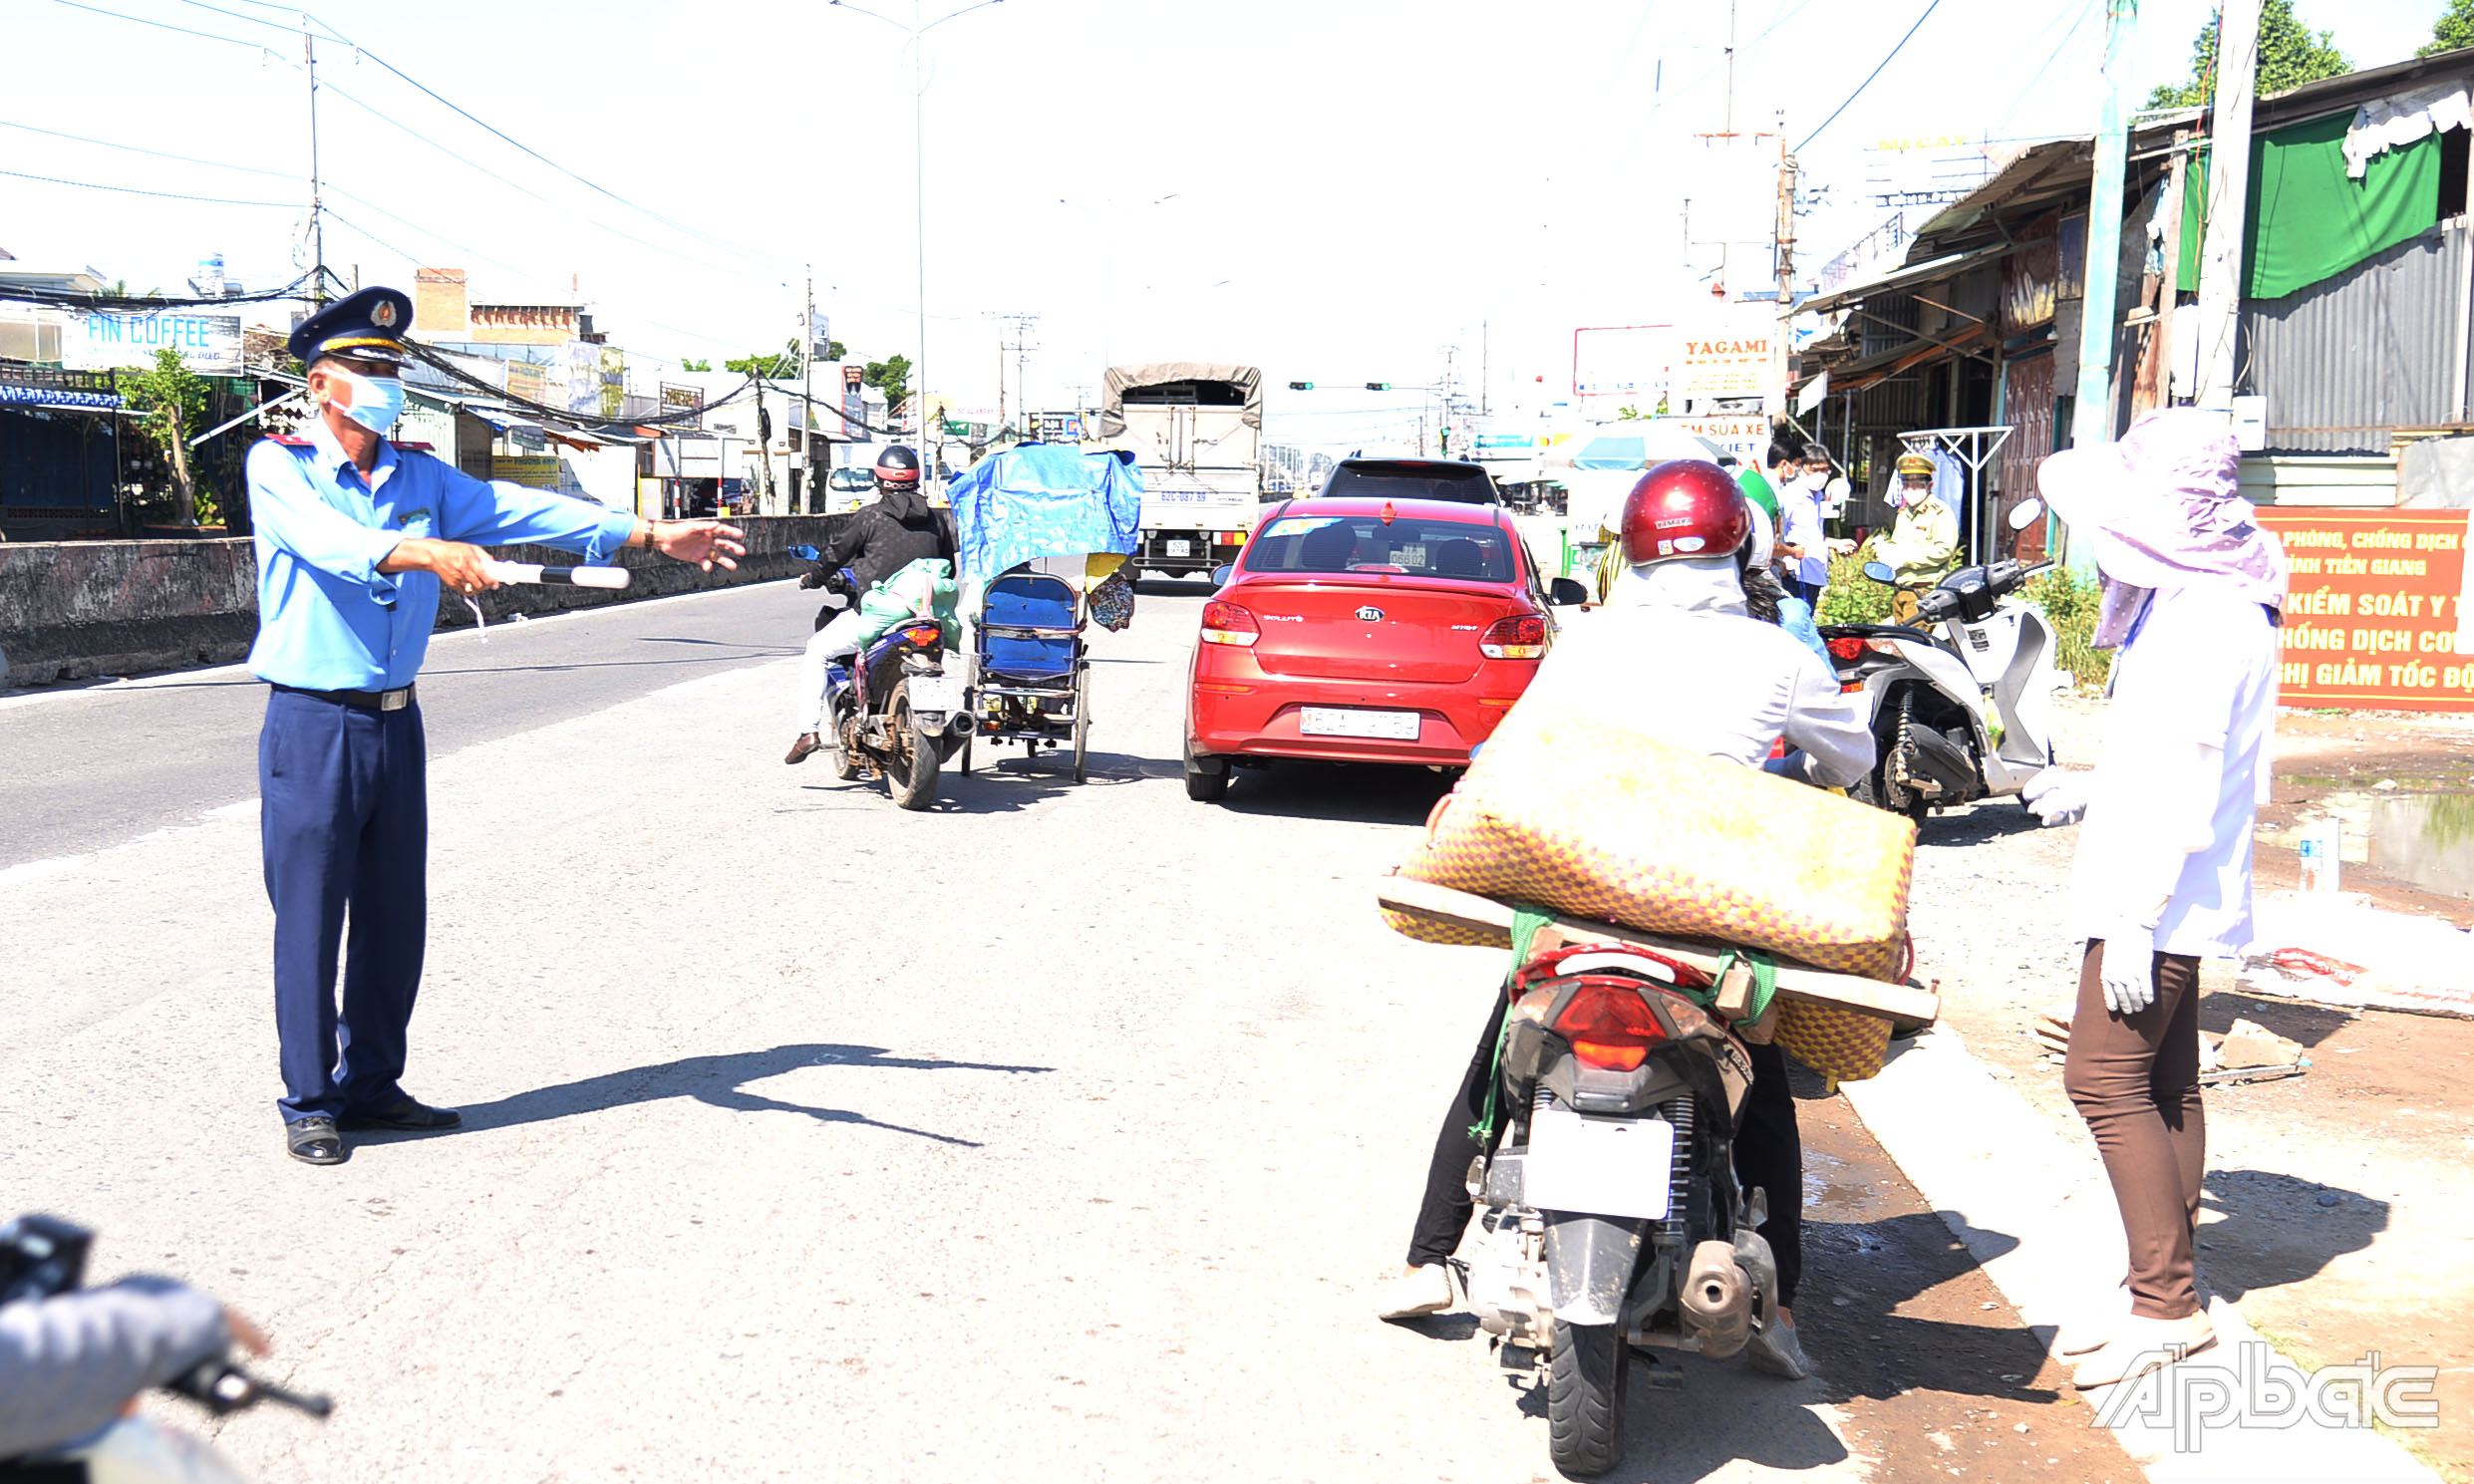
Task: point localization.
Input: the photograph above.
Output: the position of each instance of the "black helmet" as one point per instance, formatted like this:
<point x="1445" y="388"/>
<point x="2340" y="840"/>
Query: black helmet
<point x="897" y="468"/>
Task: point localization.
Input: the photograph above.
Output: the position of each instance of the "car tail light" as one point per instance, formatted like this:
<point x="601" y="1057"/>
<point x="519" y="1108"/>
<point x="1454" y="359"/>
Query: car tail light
<point x="1226" y="623"/>
<point x="1520" y="637"/>
<point x="1610" y="1028"/>
<point x="1846" y="649"/>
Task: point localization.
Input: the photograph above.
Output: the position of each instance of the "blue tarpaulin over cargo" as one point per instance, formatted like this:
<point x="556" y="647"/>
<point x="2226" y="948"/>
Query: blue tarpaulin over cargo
<point x="1045" y="499"/>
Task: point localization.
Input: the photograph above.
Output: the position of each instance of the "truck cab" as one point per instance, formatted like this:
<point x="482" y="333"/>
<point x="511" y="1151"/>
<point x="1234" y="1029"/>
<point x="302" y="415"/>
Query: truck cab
<point x="1195" y="430"/>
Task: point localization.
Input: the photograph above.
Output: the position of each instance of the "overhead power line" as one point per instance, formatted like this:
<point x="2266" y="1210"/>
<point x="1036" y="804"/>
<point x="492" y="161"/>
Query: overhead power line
<point x="1876" y="72"/>
<point x="162" y="24"/>
<point x="169" y="195"/>
<point x="248" y="170"/>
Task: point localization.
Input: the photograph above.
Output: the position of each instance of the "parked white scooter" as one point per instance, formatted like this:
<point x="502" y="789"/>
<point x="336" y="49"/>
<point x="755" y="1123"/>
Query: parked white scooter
<point x="1962" y="695"/>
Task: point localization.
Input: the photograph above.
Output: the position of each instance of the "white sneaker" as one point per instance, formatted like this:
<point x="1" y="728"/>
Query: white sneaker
<point x="1419" y="1292"/>
<point x="2094" y="1328"/>
<point x="1773" y="1348"/>
<point x="2143" y="1345"/>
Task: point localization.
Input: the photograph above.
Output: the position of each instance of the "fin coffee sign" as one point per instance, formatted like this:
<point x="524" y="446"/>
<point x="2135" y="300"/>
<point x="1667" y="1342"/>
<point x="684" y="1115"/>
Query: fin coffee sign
<point x="2374" y="612"/>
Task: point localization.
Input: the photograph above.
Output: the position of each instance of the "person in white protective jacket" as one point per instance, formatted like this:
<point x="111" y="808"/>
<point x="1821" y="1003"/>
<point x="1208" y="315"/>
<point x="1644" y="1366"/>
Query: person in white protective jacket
<point x="2193" y="596"/>
<point x="1678" y="657"/>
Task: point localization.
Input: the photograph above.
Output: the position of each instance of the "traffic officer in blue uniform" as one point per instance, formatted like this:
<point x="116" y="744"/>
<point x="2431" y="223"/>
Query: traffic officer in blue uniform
<point x="354" y="538"/>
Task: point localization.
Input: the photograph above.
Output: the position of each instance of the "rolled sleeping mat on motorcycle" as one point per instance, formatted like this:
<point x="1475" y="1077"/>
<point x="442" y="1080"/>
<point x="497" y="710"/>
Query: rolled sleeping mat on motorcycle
<point x="612" y="578"/>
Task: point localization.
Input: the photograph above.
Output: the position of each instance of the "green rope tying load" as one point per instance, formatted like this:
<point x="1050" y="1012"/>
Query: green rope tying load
<point x="1525" y="924"/>
<point x="1764" y="984"/>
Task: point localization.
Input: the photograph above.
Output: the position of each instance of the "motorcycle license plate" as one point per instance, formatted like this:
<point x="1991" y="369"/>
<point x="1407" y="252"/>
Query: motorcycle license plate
<point x="936" y="692"/>
<point x="1328" y="721"/>
<point x="1597" y="1166"/>
<point x="1178" y="548"/>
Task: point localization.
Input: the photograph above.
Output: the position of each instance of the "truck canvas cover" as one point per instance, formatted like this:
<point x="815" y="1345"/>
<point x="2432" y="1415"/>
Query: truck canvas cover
<point x="1122" y="380"/>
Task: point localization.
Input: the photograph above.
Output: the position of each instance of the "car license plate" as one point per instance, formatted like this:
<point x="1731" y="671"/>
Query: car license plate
<point x="936" y="692"/>
<point x="1178" y="548"/>
<point x="1597" y="1166"/>
<point x="1389" y="726"/>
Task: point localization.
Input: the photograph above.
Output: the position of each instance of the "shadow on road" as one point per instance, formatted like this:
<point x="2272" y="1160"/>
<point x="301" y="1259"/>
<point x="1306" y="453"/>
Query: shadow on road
<point x="1977" y="823"/>
<point x="1360" y="793"/>
<point x="716" y="1081"/>
<point x="2274" y="1230"/>
<point x="1007" y="782"/>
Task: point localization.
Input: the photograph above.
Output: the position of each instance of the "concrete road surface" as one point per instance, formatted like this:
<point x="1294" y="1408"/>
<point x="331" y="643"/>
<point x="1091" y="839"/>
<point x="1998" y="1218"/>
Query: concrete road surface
<point x="1061" y="1133"/>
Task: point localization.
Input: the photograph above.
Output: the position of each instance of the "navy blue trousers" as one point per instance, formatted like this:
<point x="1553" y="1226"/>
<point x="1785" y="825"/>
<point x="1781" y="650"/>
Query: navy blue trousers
<point x="345" y="821"/>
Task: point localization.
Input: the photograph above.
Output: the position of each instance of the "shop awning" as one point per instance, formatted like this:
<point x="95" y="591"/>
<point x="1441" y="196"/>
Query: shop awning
<point x="1914" y="275"/>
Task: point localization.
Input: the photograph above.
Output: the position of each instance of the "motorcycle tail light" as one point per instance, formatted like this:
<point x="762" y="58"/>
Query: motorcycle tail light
<point x="927" y="636"/>
<point x="1520" y="637"/>
<point x="1226" y="623"/>
<point x="1610" y="1026"/>
<point x="1847" y="649"/>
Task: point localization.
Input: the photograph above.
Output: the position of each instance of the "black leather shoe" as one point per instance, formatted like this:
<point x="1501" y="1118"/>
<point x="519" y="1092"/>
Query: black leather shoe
<point x="313" y="1140"/>
<point x="410" y="1114"/>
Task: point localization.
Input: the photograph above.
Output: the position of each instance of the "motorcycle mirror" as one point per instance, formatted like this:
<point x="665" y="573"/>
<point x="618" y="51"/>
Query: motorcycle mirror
<point x="804" y="554"/>
<point x="2026" y="513"/>
<point x="1880" y="572"/>
<point x="1563" y="592"/>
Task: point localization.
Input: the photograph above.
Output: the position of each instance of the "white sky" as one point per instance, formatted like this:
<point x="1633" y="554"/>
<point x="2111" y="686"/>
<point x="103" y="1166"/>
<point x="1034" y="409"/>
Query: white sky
<point x="1335" y="191"/>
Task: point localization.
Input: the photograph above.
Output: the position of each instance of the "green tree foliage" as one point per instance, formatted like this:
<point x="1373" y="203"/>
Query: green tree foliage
<point x="2290" y="53"/>
<point x="2069" y="604"/>
<point x="2452" y="30"/>
<point x="892" y="376"/>
<point x="171" y="400"/>
<point x="773" y="367"/>
<point x="694" y="364"/>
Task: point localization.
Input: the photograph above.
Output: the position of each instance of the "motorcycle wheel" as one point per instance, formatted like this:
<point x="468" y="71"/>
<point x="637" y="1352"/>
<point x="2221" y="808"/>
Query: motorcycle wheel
<point x="917" y="786"/>
<point x="845" y="761"/>
<point x="1588" y="1369"/>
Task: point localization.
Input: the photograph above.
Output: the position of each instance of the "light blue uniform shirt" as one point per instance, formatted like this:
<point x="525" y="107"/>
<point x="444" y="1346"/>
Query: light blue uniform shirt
<point x="1800" y="516"/>
<point x="328" y="619"/>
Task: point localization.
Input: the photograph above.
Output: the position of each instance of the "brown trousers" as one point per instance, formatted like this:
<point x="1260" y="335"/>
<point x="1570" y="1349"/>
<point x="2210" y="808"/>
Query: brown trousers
<point x="2135" y="1080"/>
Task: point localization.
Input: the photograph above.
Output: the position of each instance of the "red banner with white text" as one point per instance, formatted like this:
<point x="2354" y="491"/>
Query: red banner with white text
<point x="2375" y="614"/>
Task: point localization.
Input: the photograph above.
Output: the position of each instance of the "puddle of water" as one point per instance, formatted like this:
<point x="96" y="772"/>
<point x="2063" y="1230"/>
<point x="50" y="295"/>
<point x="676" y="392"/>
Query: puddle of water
<point x="2425" y="838"/>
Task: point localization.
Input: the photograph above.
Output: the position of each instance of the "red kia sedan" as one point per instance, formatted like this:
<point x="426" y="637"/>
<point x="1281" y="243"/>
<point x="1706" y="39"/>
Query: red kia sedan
<point x="1367" y="630"/>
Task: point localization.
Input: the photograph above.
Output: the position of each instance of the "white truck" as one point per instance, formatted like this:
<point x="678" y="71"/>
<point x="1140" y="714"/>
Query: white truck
<point x="1195" y="429"/>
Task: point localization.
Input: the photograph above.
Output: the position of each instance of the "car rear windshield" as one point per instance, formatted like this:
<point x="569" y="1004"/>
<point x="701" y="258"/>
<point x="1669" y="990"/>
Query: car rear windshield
<point x="1365" y="543"/>
<point x="1410" y="481"/>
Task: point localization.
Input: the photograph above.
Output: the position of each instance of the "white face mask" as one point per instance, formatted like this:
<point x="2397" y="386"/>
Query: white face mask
<point x="376" y="402"/>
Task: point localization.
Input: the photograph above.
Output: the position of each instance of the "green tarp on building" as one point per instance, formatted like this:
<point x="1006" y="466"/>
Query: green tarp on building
<point x="2305" y="221"/>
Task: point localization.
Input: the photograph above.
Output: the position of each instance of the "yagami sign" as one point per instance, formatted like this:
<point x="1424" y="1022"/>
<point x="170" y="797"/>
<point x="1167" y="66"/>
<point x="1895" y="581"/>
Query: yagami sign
<point x="1712" y="366"/>
<point x="2374" y="612"/>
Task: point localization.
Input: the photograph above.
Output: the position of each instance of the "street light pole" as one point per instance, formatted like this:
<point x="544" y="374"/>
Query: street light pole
<point x="919" y="175"/>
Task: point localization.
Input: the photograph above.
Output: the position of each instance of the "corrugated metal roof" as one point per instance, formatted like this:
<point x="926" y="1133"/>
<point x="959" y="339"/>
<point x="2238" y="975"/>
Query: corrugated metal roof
<point x="2349" y="360"/>
<point x="1894" y="278"/>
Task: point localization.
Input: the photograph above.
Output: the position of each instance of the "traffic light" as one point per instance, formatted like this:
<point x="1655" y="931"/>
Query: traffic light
<point x="1300" y="386"/>
<point x="1378" y="385"/>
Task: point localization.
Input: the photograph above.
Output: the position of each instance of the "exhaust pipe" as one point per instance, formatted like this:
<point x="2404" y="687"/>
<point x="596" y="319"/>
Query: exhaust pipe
<point x="962" y="724"/>
<point x="1717" y="1304"/>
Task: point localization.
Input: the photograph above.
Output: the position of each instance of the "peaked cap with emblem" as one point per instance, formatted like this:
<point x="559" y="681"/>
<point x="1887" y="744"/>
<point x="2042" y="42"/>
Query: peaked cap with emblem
<point x="368" y="326"/>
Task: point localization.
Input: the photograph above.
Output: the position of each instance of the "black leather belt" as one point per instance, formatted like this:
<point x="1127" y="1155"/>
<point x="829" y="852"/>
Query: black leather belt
<point x="395" y="700"/>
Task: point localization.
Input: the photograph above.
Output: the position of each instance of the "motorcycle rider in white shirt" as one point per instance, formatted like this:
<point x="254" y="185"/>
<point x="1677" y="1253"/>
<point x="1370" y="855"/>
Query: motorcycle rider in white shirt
<point x="1677" y="656"/>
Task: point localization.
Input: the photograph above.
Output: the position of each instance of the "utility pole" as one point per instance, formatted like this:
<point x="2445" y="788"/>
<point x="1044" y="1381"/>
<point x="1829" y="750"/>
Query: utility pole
<point x="2091" y="409"/>
<point x="2228" y="191"/>
<point x="1485" y="380"/>
<point x="919" y="215"/>
<point x="317" y="202"/>
<point x="1786" y="276"/>
<point x="1727" y="125"/>
<point x="807" y="389"/>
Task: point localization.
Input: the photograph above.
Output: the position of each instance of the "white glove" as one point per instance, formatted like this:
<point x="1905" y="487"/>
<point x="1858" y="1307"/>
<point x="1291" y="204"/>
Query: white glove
<point x="2128" y="969"/>
<point x="2058" y="795"/>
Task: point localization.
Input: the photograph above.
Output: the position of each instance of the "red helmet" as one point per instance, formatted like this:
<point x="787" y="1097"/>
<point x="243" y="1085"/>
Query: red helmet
<point x="1685" y="507"/>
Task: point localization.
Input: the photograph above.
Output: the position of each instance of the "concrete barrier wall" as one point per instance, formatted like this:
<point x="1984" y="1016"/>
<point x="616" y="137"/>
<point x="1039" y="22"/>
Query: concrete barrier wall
<point x="74" y="609"/>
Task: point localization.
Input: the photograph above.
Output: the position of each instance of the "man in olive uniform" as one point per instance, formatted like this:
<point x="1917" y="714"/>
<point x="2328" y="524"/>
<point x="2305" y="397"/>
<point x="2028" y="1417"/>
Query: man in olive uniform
<point x="1922" y="546"/>
<point x="354" y="538"/>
